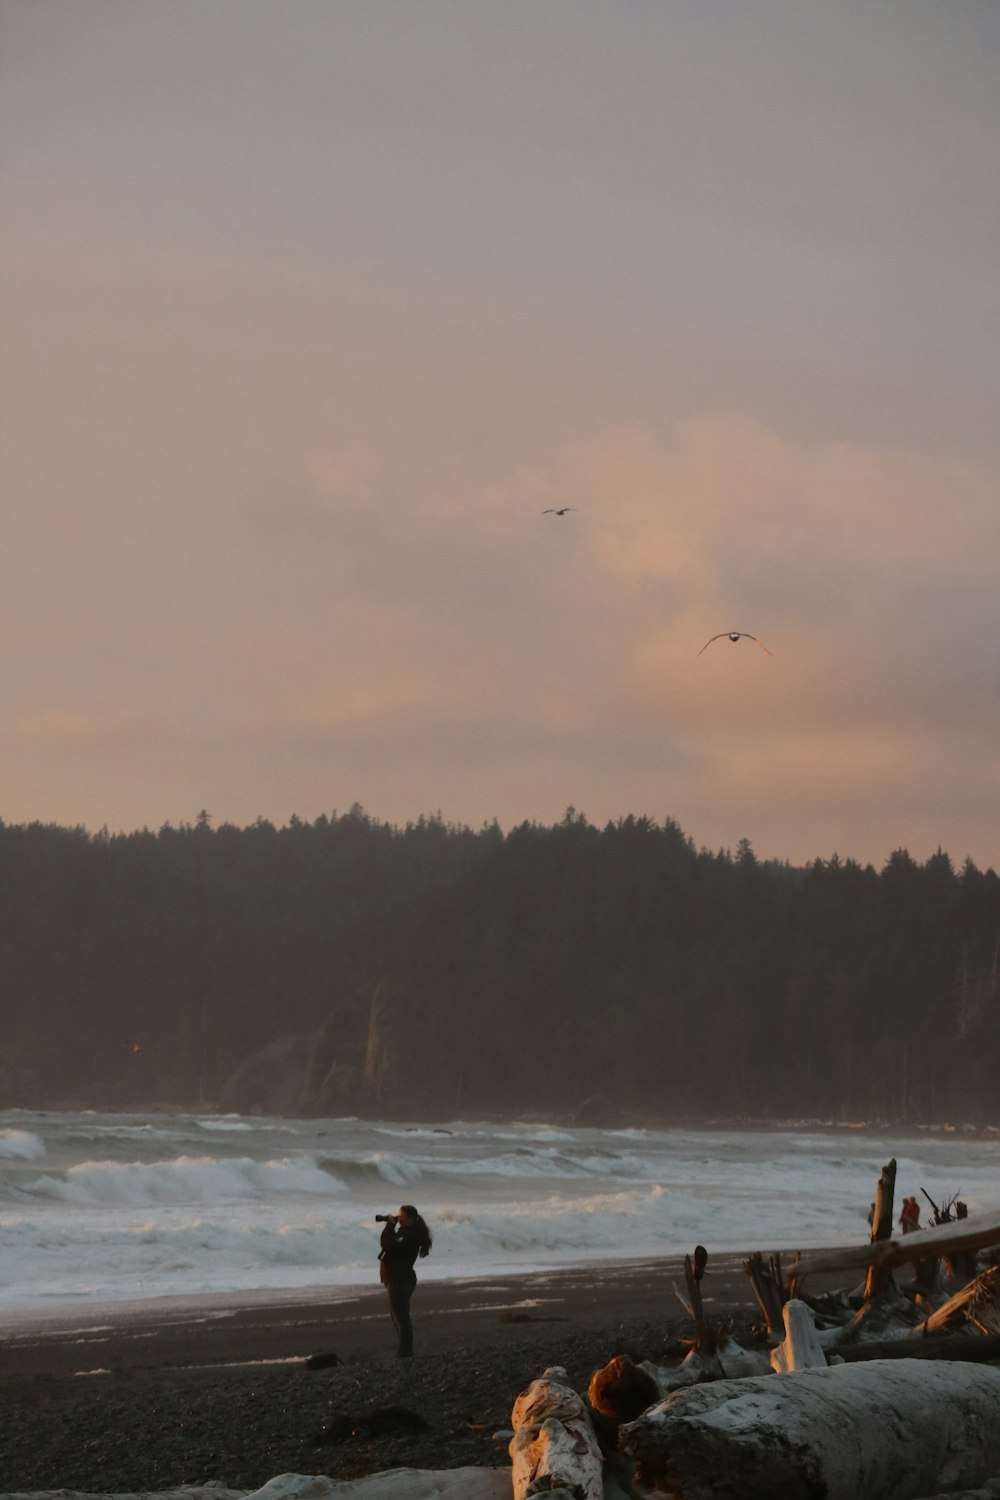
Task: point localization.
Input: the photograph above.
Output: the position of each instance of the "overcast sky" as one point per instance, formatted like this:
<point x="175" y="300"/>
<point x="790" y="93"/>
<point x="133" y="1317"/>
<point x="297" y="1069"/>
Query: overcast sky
<point x="310" y="310"/>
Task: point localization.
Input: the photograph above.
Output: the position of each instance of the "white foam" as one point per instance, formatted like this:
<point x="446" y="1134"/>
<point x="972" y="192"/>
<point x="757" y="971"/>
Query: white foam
<point x="21" y="1145"/>
<point x="186" y="1179"/>
<point x="399" y="1170"/>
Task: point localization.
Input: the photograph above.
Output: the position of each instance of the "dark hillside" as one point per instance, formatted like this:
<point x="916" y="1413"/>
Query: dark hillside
<point x="348" y="966"/>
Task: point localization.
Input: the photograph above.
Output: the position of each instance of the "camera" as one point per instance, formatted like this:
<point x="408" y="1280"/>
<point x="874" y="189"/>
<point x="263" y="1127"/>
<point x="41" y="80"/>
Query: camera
<point x="386" y="1218"/>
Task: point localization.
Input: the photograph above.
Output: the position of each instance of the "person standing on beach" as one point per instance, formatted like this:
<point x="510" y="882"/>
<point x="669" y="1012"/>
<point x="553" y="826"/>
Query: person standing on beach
<point x="404" y="1237"/>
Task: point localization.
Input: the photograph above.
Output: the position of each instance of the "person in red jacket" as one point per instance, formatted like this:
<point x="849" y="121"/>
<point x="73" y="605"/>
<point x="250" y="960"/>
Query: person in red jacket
<point x="909" y="1218"/>
<point x="404" y="1238"/>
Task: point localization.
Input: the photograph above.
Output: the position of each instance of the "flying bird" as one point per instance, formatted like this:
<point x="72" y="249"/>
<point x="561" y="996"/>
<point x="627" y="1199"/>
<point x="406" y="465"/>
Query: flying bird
<point x="558" y="510"/>
<point x="734" y="635"/>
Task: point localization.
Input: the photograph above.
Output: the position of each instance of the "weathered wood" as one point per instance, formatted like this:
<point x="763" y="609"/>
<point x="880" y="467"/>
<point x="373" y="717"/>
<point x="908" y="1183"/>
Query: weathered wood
<point x="963" y="1234"/>
<point x="979" y="1286"/>
<point x="701" y="1341"/>
<point x="887" y="1430"/>
<point x="768" y="1288"/>
<point x="801" y="1348"/>
<point x="867" y="1313"/>
<point x="554" y="1446"/>
<point x="733" y="1360"/>
<point x="728" y="1361"/>
<point x="881" y="1224"/>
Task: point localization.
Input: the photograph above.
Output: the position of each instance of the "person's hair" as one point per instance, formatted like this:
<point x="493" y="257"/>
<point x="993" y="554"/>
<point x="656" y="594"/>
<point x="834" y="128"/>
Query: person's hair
<point x="424" y="1240"/>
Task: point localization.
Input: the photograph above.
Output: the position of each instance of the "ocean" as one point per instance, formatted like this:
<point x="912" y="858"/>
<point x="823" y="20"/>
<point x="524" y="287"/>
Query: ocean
<point x="99" y="1209"/>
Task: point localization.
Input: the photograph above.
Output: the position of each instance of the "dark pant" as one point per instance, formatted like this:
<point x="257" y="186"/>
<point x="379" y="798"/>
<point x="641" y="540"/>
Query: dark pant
<point x="400" y="1293"/>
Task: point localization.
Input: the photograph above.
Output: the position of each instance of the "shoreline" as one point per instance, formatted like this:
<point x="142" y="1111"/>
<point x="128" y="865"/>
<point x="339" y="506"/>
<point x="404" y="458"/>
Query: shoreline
<point x="223" y="1331"/>
<point x="186" y="1315"/>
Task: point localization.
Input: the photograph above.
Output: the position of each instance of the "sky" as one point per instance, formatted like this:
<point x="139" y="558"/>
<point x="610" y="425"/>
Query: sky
<point x="309" y="311"/>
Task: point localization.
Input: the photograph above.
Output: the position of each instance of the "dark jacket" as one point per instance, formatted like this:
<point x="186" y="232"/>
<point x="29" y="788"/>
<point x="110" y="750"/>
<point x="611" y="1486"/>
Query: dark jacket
<point x="398" y="1255"/>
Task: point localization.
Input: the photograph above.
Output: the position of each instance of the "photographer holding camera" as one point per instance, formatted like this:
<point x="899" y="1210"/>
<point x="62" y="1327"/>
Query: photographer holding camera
<point x="404" y="1237"/>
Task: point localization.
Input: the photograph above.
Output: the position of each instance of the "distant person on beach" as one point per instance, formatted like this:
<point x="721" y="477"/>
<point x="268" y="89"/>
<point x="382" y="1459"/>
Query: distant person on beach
<point x="404" y="1237"/>
<point x="909" y="1219"/>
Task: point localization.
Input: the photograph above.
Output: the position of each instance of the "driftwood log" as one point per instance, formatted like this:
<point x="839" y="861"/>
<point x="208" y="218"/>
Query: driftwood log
<point x="768" y="1287"/>
<point x="554" y="1447"/>
<point x="887" y="1430"/>
<point x="693" y="1282"/>
<point x="980" y="1289"/>
<point x="801" y="1348"/>
<point x="728" y="1361"/>
<point x="881" y="1225"/>
<point x="964" y="1234"/>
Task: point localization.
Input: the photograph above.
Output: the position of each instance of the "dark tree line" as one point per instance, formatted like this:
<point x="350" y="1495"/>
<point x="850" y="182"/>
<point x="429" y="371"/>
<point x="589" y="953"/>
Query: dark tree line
<point x="347" y="965"/>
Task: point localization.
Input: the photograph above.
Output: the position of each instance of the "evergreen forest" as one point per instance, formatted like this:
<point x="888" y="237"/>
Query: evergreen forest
<point x="619" y="974"/>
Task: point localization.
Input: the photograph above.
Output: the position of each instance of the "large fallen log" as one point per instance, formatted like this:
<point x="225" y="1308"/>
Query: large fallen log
<point x="554" y="1446"/>
<point x="887" y="1430"/>
<point x="965" y="1234"/>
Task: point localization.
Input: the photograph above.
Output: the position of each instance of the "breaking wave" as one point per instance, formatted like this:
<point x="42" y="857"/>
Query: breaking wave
<point x="21" y="1145"/>
<point x="186" y="1179"/>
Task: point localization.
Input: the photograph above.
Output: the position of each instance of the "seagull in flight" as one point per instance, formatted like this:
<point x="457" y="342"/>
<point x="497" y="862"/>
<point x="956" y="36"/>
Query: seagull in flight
<point x="558" y="510"/>
<point x="735" y="635"/>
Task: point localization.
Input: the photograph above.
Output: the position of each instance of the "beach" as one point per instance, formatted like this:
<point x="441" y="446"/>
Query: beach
<point x="164" y="1278"/>
<point x="148" y="1399"/>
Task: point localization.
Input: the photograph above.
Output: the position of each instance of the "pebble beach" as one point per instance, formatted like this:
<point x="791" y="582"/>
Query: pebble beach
<point x="151" y="1399"/>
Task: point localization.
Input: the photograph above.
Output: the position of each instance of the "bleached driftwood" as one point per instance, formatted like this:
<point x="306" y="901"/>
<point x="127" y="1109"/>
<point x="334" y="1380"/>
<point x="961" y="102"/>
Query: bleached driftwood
<point x="729" y="1362"/>
<point x="554" y="1446"/>
<point x="982" y="1286"/>
<point x="945" y="1239"/>
<point x="671" y="1378"/>
<point x="735" y="1361"/>
<point x="886" y="1430"/>
<point x="801" y="1348"/>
